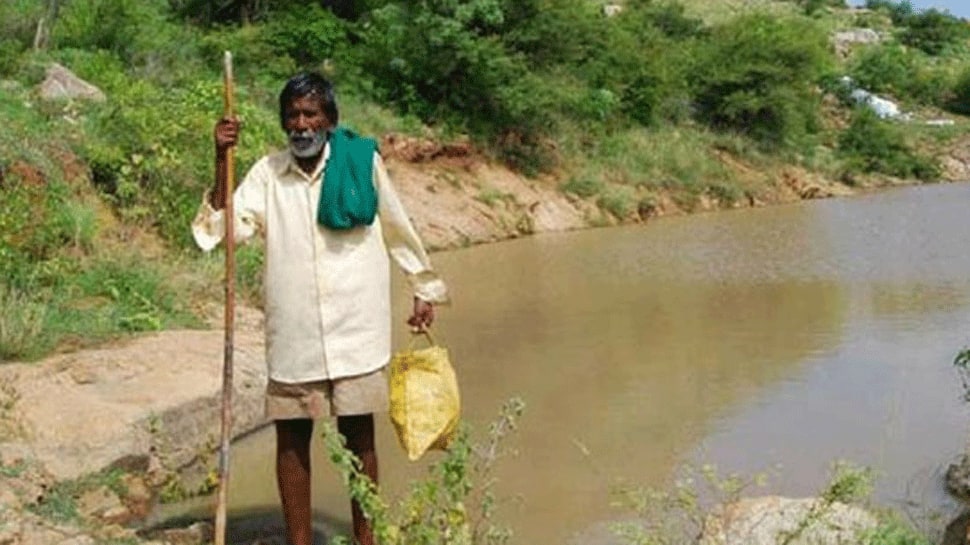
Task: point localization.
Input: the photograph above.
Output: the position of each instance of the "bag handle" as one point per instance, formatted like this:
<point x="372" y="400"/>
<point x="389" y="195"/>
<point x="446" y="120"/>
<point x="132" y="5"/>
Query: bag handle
<point x="423" y="332"/>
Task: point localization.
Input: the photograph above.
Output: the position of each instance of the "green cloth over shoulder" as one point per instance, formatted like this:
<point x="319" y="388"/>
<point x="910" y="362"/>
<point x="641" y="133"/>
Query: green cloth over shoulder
<point x="348" y="198"/>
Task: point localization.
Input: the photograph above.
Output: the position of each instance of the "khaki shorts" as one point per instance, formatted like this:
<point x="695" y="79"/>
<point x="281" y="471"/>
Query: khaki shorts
<point x="359" y="394"/>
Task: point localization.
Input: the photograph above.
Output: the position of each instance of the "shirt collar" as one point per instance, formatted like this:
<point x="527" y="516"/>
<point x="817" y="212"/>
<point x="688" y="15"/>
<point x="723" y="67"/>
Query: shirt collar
<point x="289" y="164"/>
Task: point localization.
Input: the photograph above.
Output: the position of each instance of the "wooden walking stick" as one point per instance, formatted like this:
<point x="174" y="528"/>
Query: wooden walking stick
<point x="229" y="215"/>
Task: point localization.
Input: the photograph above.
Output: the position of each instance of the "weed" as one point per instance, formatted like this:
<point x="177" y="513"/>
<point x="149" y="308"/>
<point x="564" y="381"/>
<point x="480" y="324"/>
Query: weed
<point x="59" y="502"/>
<point x="679" y="515"/>
<point x="21" y="321"/>
<point x="849" y="484"/>
<point x="672" y="517"/>
<point x="154" y="423"/>
<point x="873" y="145"/>
<point x="454" y="505"/>
<point x="492" y="197"/>
<point x="620" y="201"/>
<point x="962" y="363"/>
<point x="725" y="193"/>
<point x="583" y="188"/>
<point x="893" y="531"/>
<point x="14" y="470"/>
<point x="9" y="396"/>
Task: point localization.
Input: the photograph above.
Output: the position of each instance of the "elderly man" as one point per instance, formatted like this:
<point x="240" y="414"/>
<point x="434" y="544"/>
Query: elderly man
<point x="327" y="285"/>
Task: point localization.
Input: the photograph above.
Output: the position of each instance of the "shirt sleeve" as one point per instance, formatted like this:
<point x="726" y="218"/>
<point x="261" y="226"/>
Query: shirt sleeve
<point x="249" y="206"/>
<point x="402" y="241"/>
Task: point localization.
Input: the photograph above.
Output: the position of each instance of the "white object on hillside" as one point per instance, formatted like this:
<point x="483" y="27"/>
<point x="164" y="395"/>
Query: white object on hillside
<point x="611" y="10"/>
<point x="884" y="108"/>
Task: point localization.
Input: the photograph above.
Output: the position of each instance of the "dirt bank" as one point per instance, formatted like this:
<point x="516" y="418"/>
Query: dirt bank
<point x="457" y="198"/>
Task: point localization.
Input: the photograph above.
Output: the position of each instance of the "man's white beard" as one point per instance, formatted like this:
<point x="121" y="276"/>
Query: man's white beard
<point x="305" y="144"/>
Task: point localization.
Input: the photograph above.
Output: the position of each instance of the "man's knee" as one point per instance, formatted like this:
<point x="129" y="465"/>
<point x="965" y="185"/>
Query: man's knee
<point x="358" y="430"/>
<point x="293" y="434"/>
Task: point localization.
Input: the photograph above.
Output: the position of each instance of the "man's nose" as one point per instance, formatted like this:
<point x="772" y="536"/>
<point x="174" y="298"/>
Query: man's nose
<point x="301" y="122"/>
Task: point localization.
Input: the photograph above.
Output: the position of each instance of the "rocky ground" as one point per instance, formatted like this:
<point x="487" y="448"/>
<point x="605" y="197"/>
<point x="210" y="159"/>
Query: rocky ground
<point x="91" y="440"/>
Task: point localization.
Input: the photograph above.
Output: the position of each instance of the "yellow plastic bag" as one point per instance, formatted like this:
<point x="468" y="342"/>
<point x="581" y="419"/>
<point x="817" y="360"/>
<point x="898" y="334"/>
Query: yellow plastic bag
<point x="425" y="406"/>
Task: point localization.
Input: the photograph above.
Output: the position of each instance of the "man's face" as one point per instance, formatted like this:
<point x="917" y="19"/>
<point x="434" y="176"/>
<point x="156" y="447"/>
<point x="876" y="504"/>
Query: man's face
<point x="306" y="126"/>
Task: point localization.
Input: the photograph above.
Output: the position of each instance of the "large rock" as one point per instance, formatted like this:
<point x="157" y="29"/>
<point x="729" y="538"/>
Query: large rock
<point x="772" y="520"/>
<point x="61" y="84"/>
<point x="156" y="396"/>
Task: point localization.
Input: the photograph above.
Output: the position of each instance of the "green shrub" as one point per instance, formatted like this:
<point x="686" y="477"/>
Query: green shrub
<point x="812" y="7"/>
<point x="620" y="201"/>
<point x="898" y="11"/>
<point x="894" y="531"/>
<point x="642" y="58"/>
<point x="21" y="321"/>
<point x="870" y="144"/>
<point x="756" y="76"/>
<point x="154" y="163"/>
<point x="453" y="505"/>
<point x="37" y="219"/>
<point x="114" y="25"/>
<point x="888" y="69"/>
<point x="933" y="31"/>
<point x="446" y="63"/>
<point x="554" y="33"/>
<point x="582" y="187"/>
<point x="307" y="34"/>
<point x="960" y="97"/>
<point x="435" y="58"/>
<point x="18" y="27"/>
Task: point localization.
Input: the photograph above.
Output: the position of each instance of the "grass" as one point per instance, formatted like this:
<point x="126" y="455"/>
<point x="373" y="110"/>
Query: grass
<point x="492" y="197"/>
<point x="14" y="470"/>
<point x="723" y="10"/>
<point x="21" y="322"/>
<point x="59" y="503"/>
<point x="78" y="304"/>
<point x="679" y="514"/>
<point x="625" y="171"/>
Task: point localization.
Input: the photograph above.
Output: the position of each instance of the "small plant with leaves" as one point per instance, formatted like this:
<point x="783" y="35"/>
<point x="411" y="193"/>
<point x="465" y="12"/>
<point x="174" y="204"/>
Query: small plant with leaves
<point x="849" y="484"/>
<point x="454" y="505"/>
<point x="671" y="517"/>
<point x="962" y="363"/>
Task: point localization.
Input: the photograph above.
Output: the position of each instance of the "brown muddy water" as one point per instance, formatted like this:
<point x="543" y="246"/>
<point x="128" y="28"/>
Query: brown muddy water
<point x="780" y="338"/>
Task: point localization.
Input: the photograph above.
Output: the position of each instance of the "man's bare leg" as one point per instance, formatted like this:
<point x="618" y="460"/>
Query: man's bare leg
<point x="358" y="430"/>
<point x="293" y="478"/>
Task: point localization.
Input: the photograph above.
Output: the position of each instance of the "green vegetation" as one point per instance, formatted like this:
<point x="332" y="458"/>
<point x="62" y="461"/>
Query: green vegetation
<point x="454" y="505"/>
<point x="59" y="502"/>
<point x="869" y="145"/>
<point x="661" y="98"/>
<point x="676" y="516"/>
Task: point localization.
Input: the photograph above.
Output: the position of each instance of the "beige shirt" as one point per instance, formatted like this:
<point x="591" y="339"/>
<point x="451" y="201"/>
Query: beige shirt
<point x="327" y="292"/>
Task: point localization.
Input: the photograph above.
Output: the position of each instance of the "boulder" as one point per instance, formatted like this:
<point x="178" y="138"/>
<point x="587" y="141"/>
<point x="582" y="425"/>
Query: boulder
<point x="771" y="520"/>
<point x="62" y="84"/>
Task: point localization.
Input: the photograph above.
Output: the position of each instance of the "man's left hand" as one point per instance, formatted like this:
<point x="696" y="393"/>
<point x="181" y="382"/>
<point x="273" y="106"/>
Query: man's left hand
<point x="422" y="316"/>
